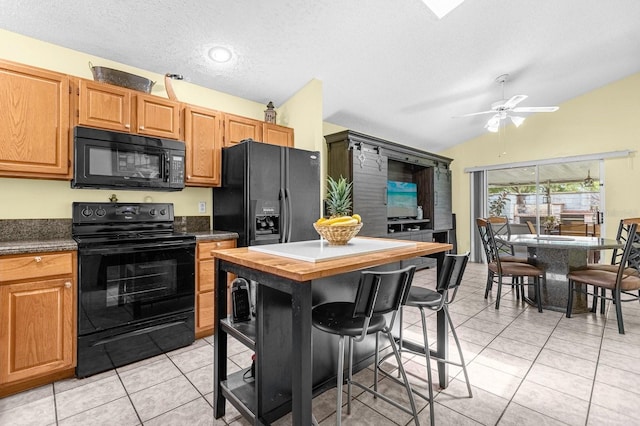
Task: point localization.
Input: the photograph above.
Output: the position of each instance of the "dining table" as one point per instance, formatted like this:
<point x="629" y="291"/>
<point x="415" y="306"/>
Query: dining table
<point x="558" y="255"/>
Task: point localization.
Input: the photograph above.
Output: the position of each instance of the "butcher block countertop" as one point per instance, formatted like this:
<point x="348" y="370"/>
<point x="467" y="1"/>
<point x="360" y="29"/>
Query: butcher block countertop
<point x="304" y="270"/>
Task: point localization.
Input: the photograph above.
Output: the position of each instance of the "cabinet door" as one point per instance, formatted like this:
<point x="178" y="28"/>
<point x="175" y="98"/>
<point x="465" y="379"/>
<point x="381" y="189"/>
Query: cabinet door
<point x="205" y="285"/>
<point x="277" y="135"/>
<point x="158" y="116"/>
<point x="202" y="135"/>
<point x="370" y="190"/>
<point x="37" y="331"/>
<point x="104" y="105"/>
<point x="34" y="122"/>
<point x="442" y="218"/>
<point x="237" y="128"/>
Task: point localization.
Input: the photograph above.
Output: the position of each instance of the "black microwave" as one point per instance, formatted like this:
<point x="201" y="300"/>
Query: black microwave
<point x="113" y="160"/>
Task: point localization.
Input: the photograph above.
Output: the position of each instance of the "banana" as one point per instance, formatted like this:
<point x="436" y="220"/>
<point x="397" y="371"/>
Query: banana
<point x="357" y="217"/>
<point x="337" y="220"/>
<point x="348" y="221"/>
<point x="321" y="220"/>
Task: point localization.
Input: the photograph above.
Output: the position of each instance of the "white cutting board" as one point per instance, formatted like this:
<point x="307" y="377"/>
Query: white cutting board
<point x="320" y="250"/>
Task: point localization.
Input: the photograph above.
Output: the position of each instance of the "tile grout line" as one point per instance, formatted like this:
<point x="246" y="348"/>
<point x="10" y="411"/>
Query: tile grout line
<point x="526" y="374"/>
<point x="595" y="373"/>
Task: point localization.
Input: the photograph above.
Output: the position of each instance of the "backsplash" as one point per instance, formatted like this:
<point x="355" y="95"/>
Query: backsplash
<point x="35" y="229"/>
<point x="192" y="223"/>
<point x="60" y="229"/>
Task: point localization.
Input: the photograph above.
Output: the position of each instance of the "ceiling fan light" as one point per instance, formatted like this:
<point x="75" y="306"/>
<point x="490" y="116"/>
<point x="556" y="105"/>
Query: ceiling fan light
<point x="442" y="7"/>
<point x="517" y="120"/>
<point x="493" y="124"/>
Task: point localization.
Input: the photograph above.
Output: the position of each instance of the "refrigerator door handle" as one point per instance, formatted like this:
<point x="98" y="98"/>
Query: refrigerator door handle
<point x="287" y="197"/>
<point x="284" y="217"/>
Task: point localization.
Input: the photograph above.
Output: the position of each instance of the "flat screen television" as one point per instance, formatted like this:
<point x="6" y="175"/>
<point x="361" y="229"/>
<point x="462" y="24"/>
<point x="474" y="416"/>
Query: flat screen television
<point x="402" y="199"/>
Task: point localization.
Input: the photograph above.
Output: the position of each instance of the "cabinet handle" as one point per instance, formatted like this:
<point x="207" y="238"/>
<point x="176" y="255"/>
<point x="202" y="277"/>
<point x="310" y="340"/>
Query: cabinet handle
<point x="141" y="127"/>
<point x="38" y="259"/>
<point x="67" y="284"/>
<point x="127" y="126"/>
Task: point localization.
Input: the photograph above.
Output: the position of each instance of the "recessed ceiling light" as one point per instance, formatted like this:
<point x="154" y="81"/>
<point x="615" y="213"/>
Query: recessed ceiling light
<point x="442" y="7"/>
<point x="220" y="54"/>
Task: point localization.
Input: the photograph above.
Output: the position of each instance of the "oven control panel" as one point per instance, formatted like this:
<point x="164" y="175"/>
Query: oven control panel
<point x="121" y="212"/>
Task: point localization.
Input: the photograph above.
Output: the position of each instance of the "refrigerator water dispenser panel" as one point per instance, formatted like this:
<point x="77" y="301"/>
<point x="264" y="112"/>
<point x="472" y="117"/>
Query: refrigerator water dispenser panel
<point x="266" y="217"/>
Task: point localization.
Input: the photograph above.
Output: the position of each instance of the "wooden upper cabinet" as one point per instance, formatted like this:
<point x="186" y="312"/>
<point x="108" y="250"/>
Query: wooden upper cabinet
<point x="203" y="137"/>
<point x="105" y="106"/>
<point x="158" y="116"/>
<point x="277" y="135"/>
<point x="237" y="128"/>
<point x="116" y="108"/>
<point x="34" y="122"/>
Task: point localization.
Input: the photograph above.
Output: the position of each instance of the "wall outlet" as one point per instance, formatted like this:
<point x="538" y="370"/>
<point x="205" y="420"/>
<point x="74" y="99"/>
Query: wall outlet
<point x="202" y="207"/>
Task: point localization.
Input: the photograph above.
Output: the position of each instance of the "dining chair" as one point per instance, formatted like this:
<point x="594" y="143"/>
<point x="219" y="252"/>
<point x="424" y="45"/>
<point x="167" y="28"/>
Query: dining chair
<point x="579" y="230"/>
<point x="436" y="300"/>
<point x="500" y="225"/>
<point x="616" y="256"/>
<point x="622" y="281"/>
<point x="499" y="269"/>
<point x="575" y="229"/>
<point x="378" y="294"/>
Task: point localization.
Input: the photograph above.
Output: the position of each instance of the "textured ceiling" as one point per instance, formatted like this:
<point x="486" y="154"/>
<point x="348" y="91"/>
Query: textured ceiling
<point x="388" y="68"/>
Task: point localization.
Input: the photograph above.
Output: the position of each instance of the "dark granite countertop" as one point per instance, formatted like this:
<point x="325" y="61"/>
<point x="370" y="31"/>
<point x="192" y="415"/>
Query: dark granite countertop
<point x="27" y="246"/>
<point x="214" y="235"/>
<point x="33" y="246"/>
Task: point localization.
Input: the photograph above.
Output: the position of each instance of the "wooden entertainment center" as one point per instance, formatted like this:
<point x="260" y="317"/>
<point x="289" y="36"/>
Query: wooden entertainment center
<point x="370" y="162"/>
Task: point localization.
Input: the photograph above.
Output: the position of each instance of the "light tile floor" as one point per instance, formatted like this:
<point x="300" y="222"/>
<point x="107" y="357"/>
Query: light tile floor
<point x="526" y="368"/>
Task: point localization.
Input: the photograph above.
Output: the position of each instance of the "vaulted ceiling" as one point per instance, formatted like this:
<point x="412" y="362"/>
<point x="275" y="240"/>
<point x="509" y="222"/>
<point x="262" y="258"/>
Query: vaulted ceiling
<point x="388" y="68"/>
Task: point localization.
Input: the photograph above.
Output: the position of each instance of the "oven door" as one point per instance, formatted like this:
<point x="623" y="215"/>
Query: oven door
<point x="127" y="283"/>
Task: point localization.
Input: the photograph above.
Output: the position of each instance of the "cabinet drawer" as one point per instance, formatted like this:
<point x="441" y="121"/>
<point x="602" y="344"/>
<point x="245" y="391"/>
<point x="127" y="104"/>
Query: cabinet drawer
<point x="205" y="310"/>
<point x="36" y="265"/>
<point x="205" y="275"/>
<point x="204" y="249"/>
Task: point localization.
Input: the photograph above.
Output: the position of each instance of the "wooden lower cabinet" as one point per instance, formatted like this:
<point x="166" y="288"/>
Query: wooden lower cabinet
<point x="37" y="319"/>
<point x="205" y="285"/>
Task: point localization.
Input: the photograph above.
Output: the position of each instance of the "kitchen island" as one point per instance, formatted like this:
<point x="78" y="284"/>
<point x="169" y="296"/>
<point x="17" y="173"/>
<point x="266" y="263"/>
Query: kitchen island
<point x="292" y="360"/>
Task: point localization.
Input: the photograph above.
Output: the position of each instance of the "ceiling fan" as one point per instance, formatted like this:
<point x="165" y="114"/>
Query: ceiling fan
<point x="503" y="108"/>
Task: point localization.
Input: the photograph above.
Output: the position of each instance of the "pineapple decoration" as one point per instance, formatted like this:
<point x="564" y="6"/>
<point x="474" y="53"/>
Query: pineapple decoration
<point x="339" y="197"/>
<point x="341" y="226"/>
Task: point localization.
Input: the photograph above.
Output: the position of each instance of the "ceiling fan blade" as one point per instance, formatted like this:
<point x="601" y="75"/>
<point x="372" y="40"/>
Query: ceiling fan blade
<point x="474" y="113"/>
<point x="515" y="100"/>
<point x="536" y="109"/>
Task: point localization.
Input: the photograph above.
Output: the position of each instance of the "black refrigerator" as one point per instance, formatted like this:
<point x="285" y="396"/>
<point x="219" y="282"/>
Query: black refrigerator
<point x="269" y="194"/>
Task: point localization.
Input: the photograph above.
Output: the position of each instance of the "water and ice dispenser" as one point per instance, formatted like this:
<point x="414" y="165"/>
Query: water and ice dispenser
<point x="266" y="219"/>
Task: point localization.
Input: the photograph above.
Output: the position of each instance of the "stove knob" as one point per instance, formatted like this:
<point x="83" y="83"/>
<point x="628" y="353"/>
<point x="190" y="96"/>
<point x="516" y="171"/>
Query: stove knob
<point x="101" y="212"/>
<point x="87" y="212"/>
<point x="163" y="212"/>
<point x="152" y="212"/>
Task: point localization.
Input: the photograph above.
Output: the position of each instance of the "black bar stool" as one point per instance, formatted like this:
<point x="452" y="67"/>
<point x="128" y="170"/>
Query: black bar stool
<point x="453" y="268"/>
<point x="379" y="293"/>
